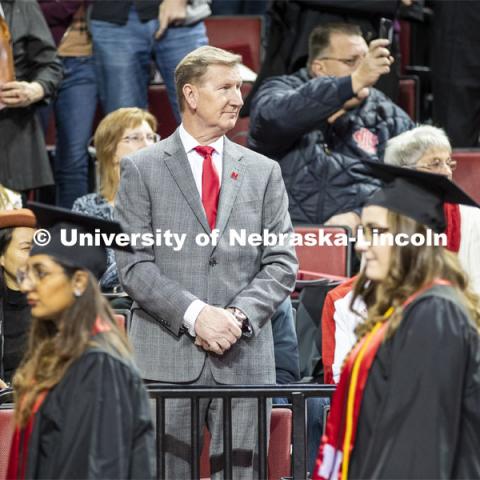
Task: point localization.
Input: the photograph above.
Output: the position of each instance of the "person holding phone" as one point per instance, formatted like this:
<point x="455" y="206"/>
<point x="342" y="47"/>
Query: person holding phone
<point x="323" y="121"/>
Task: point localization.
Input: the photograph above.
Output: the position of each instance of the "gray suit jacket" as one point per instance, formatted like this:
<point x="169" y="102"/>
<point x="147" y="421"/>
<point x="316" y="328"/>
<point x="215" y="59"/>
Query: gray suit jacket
<point x="158" y="192"/>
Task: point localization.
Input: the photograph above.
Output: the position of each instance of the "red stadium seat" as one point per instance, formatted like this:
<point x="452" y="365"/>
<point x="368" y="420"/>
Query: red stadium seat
<point x="330" y="260"/>
<point x="159" y="107"/>
<point x="467" y="174"/>
<point x="6" y="433"/>
<point x="405" y="40"/>
<point x="408" y="96"/>
<point x="238" y="34"/>
<point x="305" y="276"/>
<point x="280" y="443"/>
<point x="278" y="449"/>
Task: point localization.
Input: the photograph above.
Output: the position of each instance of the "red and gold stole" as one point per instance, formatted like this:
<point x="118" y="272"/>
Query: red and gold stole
<point x="454" y="226"/>
<point x="337" y="444"/>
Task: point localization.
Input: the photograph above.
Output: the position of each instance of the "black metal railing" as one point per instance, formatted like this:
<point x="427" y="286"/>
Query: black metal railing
<point x="296" y="393"/>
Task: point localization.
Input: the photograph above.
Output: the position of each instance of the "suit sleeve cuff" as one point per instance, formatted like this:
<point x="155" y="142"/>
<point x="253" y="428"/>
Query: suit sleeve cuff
<point x="191" y="314"/>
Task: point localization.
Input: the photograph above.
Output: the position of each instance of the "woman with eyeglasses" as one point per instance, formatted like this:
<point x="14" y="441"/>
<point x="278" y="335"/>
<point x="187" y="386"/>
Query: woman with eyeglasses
<point x="120" y="133"/>
<point x="16" y="233"/>
<point x="408" y="401"/>
<point x="81" y="410"/>
<point x="427" y="148"/>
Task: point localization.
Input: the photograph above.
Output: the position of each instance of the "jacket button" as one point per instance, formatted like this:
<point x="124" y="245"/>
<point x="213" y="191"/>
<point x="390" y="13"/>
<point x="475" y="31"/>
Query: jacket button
<point x="212" y="262"/>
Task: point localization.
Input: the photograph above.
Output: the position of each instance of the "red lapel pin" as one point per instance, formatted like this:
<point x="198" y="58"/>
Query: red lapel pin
<point x="234" y="175"/>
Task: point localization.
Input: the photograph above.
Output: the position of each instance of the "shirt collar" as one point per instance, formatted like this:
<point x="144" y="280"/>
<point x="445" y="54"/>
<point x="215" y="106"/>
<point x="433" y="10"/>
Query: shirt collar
<point x="189" y="143"/>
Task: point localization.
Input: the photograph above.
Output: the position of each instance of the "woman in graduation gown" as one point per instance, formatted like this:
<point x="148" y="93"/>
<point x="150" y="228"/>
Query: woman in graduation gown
<point x="81" y="410"/>
<point x="408" y="402"/>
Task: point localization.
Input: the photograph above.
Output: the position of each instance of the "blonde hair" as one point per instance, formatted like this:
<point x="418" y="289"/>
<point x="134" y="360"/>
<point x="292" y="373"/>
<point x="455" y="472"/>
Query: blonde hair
<point x="194" y="65"/>
<point x="411" y="268"/>
<point x="107" y="137"/>
<point x="406" y="149"/>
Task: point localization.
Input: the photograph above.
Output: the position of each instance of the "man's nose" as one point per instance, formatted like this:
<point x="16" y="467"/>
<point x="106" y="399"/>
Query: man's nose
<point x="236" y="98"/>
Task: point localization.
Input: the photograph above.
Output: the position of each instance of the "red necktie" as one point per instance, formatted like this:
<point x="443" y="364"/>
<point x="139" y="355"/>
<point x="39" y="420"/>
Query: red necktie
<point x="210" y="184"/>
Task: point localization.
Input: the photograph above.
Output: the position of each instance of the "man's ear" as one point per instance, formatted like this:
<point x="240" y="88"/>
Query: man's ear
<point x="190" y="93"/>
<point x="317" y="68"/>
<point x="2" y="261"/>
<point x="79" y="282"/>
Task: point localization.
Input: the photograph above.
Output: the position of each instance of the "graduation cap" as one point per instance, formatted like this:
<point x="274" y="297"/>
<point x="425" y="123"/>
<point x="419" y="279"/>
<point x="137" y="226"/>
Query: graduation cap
<point x="21" y="217"/>
<point x="415" y="194"/>
<point x="89" y="257"/>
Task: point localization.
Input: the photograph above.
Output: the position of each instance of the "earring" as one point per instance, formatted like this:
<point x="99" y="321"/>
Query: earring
<point x="77" y="293"/>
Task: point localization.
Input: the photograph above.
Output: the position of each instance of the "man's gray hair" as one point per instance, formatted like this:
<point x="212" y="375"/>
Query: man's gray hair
<point x="406" y="149"/>
<point x="194" y="65"/>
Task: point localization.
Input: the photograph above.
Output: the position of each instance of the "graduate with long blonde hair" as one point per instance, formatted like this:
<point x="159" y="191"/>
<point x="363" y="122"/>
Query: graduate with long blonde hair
<point x="408" y="401"/>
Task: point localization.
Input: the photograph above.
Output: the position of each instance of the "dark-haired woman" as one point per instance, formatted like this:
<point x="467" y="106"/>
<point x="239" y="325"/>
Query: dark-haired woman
<point x="408" y="401"/>
<point x="81" y="410"/>
<point x="16" y="232"/>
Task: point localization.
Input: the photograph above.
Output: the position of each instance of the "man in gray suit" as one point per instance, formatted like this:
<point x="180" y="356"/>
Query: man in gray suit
<point x="201" y="313"/>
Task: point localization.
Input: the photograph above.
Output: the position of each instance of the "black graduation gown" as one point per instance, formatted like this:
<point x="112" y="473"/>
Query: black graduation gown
<point x="420" y="414"/>
<point x="94" y="424"/>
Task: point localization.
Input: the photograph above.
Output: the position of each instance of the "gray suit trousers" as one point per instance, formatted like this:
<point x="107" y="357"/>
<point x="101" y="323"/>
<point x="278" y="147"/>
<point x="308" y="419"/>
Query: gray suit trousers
<point x="244" y="434"/>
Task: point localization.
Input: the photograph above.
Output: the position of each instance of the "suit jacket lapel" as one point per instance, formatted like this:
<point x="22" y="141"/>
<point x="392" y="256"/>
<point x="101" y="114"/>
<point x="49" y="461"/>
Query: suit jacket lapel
<point x="177" y="164"/>
<point x="232" y="178"/>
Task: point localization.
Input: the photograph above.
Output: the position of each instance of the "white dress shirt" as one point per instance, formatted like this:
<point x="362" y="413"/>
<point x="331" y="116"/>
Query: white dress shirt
<point x="196" y="164"/>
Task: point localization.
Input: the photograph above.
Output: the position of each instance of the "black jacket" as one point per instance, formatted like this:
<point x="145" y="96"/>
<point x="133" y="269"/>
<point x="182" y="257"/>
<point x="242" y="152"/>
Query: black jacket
<point x="116" y="11"/>
<point x="420" y="416"/>
<point x="95" y="423"/>
<point x="23" y="158"/>
<point x="322" y="163"/>
<point x="285" y="344"/>
<point x="15" y="321"/>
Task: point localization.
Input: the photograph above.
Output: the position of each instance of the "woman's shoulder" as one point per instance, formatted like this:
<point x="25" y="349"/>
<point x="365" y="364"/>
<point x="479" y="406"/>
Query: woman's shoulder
<point x="439" y="309"/>
<point x="103" y="366"/>
<point x="435" y="296"/>
<point x="101" y="354"/>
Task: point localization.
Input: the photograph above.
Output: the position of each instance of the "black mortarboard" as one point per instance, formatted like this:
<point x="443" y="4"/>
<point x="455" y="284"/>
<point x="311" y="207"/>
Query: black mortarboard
<point x="90" y="257"/>
<point x="415" y="194"/>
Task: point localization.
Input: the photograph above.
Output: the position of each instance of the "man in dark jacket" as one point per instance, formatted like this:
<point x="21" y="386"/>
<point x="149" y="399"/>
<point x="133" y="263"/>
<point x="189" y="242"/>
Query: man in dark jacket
<point x="321" y="123"/>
